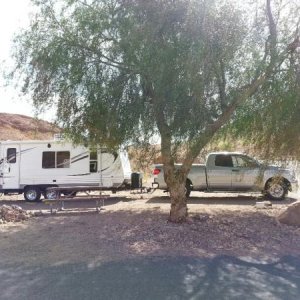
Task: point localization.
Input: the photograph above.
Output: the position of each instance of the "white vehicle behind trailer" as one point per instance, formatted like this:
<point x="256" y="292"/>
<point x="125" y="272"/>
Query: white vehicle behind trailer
<point x="30" y="167"/>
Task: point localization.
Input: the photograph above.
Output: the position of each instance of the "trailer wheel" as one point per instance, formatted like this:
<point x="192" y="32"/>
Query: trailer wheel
<point x="51" y="195"/>
<point x="32" y="194"/>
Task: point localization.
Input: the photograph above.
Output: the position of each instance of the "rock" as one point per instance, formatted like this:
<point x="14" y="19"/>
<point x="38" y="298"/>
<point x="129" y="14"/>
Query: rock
<point x="263" y="204"/>
<point x="38" y="213"/>
<point x="22" y="217"/>
<point x="291" y="215"/>
<point x="226" y="222"/>
<point x="13" y="213"/>
<point x="189" y="220"/>
<point x="4" y="209"/>
<point x="202" y="218"/>
<point x="17" y="207"/>
<point x="9" y="216"/>
<point x="4" y="206"/>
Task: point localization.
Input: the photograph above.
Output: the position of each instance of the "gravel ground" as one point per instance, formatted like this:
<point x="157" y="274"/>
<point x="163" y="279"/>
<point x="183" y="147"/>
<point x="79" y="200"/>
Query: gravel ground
<point x="131" y="225"/>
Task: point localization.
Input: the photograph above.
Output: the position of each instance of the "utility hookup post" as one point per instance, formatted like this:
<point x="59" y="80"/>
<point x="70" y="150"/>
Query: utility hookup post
<point x="100" y="181"/>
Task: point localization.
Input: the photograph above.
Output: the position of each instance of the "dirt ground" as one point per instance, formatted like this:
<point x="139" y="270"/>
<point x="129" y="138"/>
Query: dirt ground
<point x="132" y="225"/>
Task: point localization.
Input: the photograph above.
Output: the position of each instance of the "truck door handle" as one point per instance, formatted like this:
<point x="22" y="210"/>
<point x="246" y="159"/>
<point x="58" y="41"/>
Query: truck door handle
<point x="234" y="170"/>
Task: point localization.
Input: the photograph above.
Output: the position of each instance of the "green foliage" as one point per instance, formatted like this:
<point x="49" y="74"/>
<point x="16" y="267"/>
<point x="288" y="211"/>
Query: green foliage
<point x="109" y="65"/>
<point x="270" y="121"/>
<point x="121" y="71"/>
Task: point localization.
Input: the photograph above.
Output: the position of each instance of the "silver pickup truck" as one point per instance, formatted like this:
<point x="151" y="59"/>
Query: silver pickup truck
<point x="234" y="172"/>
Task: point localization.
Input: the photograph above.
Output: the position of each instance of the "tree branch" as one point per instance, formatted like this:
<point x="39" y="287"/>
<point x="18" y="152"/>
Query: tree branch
<point x="221" y="81"/>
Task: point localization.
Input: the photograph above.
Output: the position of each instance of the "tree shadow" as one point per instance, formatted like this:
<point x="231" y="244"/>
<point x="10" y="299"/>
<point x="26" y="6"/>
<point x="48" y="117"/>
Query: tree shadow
<point x="223" y="200"/>
<point x="221" y="277"/>
<point x="82" y="257"/>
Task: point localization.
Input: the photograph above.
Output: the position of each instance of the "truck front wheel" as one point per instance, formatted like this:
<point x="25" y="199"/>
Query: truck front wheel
<point x="276" y="190"/>
<point x="32" y="194"/>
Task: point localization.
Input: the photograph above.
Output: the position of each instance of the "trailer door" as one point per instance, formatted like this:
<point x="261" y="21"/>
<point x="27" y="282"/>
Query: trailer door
<point x="108" y="171"/>
<point x="11" y="167"/>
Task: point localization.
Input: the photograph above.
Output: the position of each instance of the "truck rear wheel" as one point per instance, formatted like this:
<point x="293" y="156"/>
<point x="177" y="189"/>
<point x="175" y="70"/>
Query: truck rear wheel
<point x="32" y="194"/>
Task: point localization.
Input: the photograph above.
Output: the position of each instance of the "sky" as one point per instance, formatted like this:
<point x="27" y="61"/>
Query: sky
<point x="14" y="14"/>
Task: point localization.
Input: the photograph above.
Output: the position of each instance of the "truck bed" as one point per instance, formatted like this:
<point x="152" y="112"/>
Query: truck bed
<point x="197" y="176"/>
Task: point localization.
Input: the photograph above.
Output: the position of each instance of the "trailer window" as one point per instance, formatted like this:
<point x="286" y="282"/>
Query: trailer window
<point x="63" y="159"/>
<point x="52" y="159"/>
<point x="11" y="155"/>
<point x="93" y="162"/>
<point x="48" y="160"/>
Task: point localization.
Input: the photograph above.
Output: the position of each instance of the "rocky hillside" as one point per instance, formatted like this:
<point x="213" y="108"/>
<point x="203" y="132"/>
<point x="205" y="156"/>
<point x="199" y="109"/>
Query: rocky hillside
<point x="19" y="127"/>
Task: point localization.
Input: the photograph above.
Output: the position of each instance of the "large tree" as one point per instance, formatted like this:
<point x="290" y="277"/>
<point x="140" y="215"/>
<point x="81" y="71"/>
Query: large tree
<point x="124" y="70"/>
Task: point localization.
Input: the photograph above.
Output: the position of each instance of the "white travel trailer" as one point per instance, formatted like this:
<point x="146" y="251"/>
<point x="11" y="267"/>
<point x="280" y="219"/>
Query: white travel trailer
<point x="30" y="167"/>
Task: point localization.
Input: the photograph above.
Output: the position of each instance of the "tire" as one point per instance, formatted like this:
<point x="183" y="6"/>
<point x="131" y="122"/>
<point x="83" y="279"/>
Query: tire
<point x="32" y="194"/>
<point x="188" y="188"/>
<point x="276" y="190"/>
<point x="50" y="195"/>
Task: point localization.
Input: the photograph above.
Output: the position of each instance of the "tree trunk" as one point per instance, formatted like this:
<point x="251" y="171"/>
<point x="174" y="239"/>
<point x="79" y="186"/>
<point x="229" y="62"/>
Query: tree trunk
<point x="176" y="180"/>
<point x="179" y="210"/>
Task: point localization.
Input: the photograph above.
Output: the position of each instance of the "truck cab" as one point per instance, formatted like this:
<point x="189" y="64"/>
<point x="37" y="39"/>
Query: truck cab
<point x="232" y="171"/>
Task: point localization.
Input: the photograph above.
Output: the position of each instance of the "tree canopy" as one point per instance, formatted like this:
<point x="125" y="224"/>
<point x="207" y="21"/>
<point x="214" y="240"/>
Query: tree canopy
<point x="125" y="70"/>
<point x="270" y="121"/>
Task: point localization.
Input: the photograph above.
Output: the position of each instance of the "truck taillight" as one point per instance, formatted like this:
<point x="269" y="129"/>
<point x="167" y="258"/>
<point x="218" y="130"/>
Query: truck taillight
<point x="156" y="171"/>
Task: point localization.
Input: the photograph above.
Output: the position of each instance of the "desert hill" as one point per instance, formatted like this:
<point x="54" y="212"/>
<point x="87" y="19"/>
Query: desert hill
<point x="19" y="127"/>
